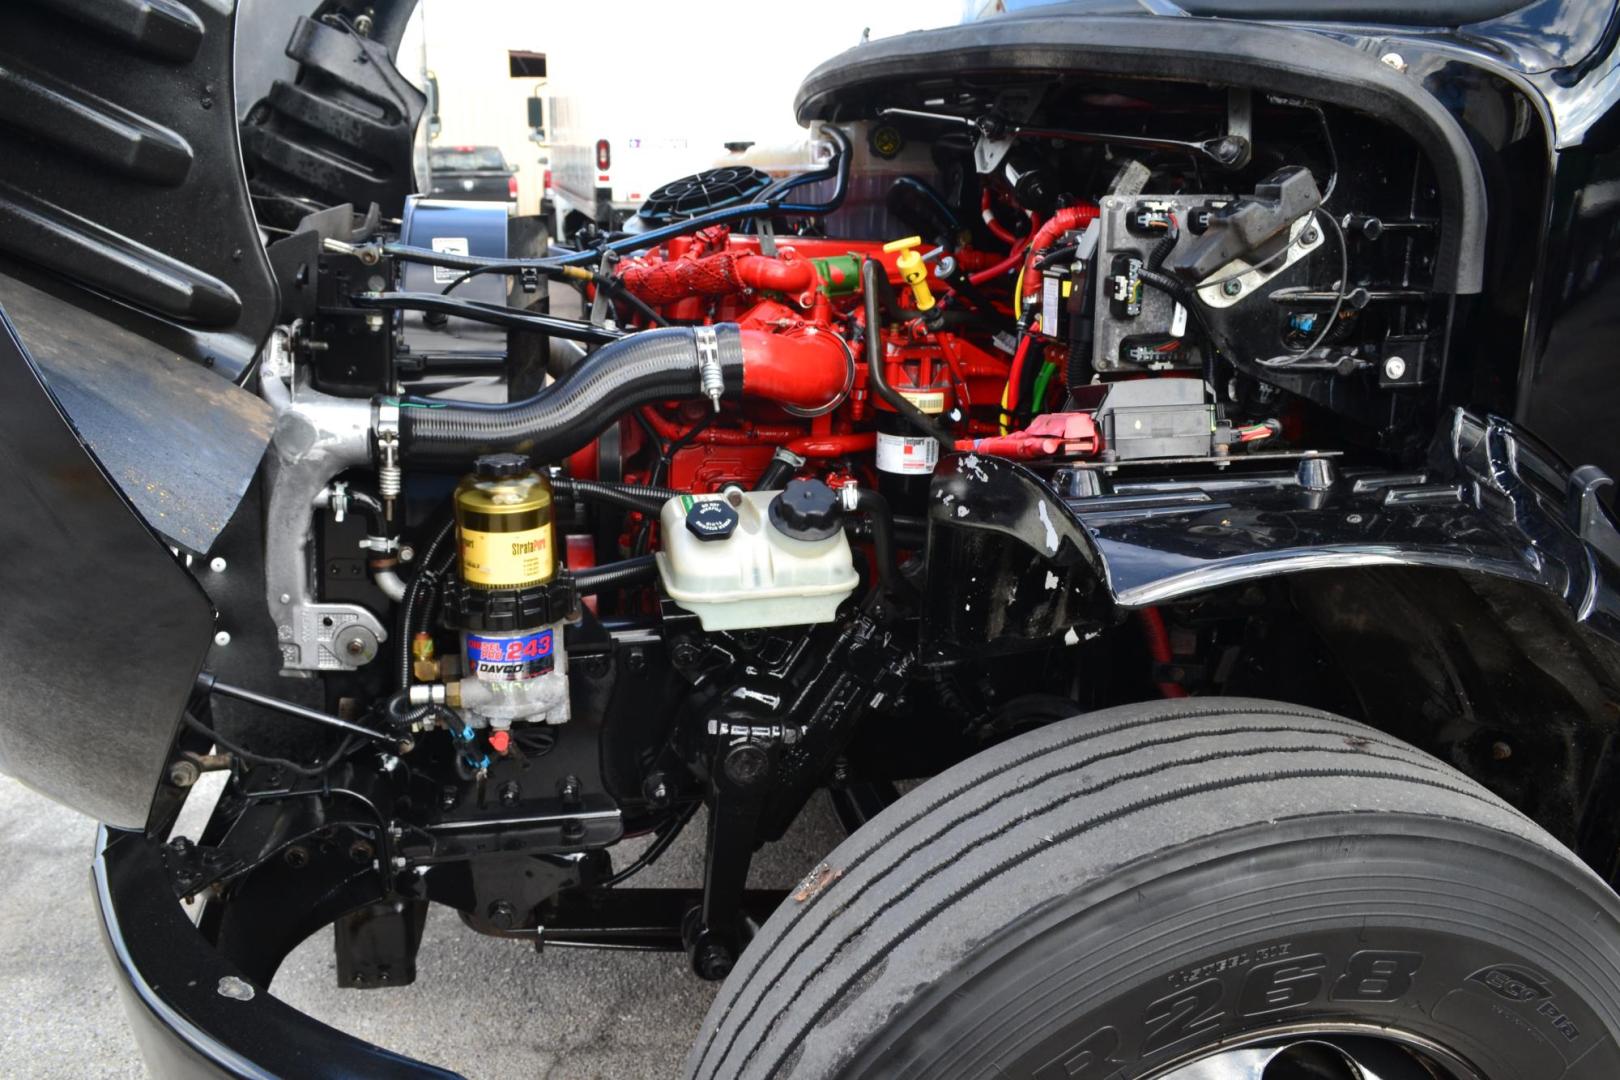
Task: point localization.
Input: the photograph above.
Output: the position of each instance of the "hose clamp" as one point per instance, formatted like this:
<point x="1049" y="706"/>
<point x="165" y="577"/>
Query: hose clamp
<point x="711" y="378"/>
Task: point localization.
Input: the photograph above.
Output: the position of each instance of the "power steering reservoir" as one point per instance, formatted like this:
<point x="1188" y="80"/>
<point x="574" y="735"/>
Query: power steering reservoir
<point x="510" y="603"/>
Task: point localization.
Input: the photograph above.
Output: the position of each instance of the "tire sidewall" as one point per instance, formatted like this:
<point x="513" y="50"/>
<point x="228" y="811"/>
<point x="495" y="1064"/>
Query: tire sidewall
<point x="1447" y="932"/>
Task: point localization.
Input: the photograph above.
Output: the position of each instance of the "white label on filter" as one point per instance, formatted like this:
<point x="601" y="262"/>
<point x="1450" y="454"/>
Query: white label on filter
<point x="448" y="245"/>
<point x="909" y="455"/>
<point x="1178" y="321"/>
<point x="928" y="401"/>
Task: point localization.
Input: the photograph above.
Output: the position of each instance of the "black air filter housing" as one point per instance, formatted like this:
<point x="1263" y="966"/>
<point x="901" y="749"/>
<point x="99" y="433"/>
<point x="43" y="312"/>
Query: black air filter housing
<point x="712" y="189"/>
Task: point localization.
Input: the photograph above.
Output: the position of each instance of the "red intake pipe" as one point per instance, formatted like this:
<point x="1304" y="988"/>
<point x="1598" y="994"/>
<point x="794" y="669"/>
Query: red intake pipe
<point x="805" y="366"/>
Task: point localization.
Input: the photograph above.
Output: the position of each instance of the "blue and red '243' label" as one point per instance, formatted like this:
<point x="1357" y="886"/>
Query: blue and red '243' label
<point x="510" y="658"/>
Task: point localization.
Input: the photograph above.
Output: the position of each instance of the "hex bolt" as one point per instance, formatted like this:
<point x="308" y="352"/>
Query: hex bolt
<point x="1395" y="368"/>
<point x="1232" y="288"/>
<point x="217" y="565"/>
<point x="636" y="660"/>
<point x="510" y="793"/>
<point x="222" y="638"/>
<point x="296" y="856"/>
<point x="1309" y="236"/>
<point x="569" y="789"/>
<point x="360" y="852"/>
<point x="502" y="915"/>
<point x="747" y="763"/>
<point x="1501" y="751"/>
<point x="406" y="553"/>
<point x="713" y="962"/>
<point x="182" y="774"/>
<point x="355" y="647"/>
<point x="399" y="862"/>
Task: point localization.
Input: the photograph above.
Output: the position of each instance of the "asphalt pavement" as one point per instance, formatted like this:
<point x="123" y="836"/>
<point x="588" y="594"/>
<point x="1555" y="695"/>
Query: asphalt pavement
<point x="491" y="1009"/>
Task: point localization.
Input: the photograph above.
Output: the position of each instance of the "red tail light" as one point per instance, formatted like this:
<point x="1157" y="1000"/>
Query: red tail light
<point x="604" y="155"/>
<point x="511" y="187"/>
<point x="548" y="180"/>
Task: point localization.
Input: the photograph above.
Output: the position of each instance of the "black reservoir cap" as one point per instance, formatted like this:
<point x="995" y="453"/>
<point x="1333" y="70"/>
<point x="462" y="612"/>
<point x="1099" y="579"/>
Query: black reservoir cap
<point x="500" y="466"/>
<point x="806" y="510"/>
<point x="711" y="519"/>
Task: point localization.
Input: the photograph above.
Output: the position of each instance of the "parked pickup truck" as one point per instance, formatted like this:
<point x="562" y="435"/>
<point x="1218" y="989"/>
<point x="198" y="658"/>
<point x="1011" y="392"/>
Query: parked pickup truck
<point x="471" y="172"/>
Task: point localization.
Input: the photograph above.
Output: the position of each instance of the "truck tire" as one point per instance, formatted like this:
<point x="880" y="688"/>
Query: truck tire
<point x="1182" y="890"/>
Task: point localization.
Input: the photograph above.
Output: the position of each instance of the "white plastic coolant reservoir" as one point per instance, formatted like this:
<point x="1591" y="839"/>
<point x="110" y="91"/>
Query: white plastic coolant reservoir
<point x="725" y="561"/>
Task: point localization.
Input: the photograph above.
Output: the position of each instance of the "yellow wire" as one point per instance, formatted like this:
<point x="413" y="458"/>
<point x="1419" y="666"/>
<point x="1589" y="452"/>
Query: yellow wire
<point x="1018" y="314"/>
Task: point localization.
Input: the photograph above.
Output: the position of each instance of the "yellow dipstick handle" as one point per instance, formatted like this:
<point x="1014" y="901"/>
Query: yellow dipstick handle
<point x="912" y="270"/>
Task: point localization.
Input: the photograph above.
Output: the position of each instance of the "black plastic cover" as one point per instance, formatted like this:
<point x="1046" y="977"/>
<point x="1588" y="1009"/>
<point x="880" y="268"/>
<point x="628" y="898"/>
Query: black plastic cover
<point x="120" y="170"/>
<point x="130" y="261"/>
<point x="102" y="630"/>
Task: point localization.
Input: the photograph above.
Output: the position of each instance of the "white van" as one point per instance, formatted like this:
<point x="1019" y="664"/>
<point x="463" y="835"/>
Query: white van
<point x="608" y="155"/>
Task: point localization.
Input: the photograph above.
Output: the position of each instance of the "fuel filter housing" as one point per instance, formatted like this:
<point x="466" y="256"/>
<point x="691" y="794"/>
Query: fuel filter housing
<point x="511" y="603"/>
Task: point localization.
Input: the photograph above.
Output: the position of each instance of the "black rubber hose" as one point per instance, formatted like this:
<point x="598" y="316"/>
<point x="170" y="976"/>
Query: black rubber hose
<point x="779" y="471"/>
<point x="416" y="594"/>
<point x="648" y="500"/>
<point x="494" y="314"/>
<point x="881" y="519"/>
<point x="653" y="365"/>
<point x="616" y="575"/>
<point x="871" y="272"/>
<point x="368" y="504"/>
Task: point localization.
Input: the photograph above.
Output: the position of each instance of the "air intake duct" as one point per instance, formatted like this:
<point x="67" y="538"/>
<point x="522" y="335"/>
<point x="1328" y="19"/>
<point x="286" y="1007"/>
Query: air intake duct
<point x="804" y="368"/>
<point x="654" y="365"/>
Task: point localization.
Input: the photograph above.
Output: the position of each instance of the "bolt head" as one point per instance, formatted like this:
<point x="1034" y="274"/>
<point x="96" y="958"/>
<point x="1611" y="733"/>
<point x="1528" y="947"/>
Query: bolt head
<point x="217" y="565"/>
<point x="1232" y="288"/>
<point x="714" y="962"/>
<point x="1394" y="368"/>
<point x="406" y="553"/>
<point x="747" y="763"/>
<point x="1393" y="60"/>
<point x="182" y="774"/>
<point x="222" y="638"/>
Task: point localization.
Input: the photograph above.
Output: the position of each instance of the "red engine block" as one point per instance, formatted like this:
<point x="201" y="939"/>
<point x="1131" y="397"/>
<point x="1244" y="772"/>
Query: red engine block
<point x="807" y="288"/>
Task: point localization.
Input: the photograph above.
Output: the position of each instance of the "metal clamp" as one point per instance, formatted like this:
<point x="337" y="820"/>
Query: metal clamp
<point x="711" y="377"/>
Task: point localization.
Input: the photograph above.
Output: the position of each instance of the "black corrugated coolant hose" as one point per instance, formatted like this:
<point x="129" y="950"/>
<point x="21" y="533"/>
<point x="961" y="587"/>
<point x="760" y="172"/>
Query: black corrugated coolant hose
<point x="648" y="500"/>
<point x="654" y="365"/>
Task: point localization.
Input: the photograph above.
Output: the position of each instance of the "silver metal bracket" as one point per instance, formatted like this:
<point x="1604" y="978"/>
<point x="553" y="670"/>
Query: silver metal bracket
<point x="316" y="437"/>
